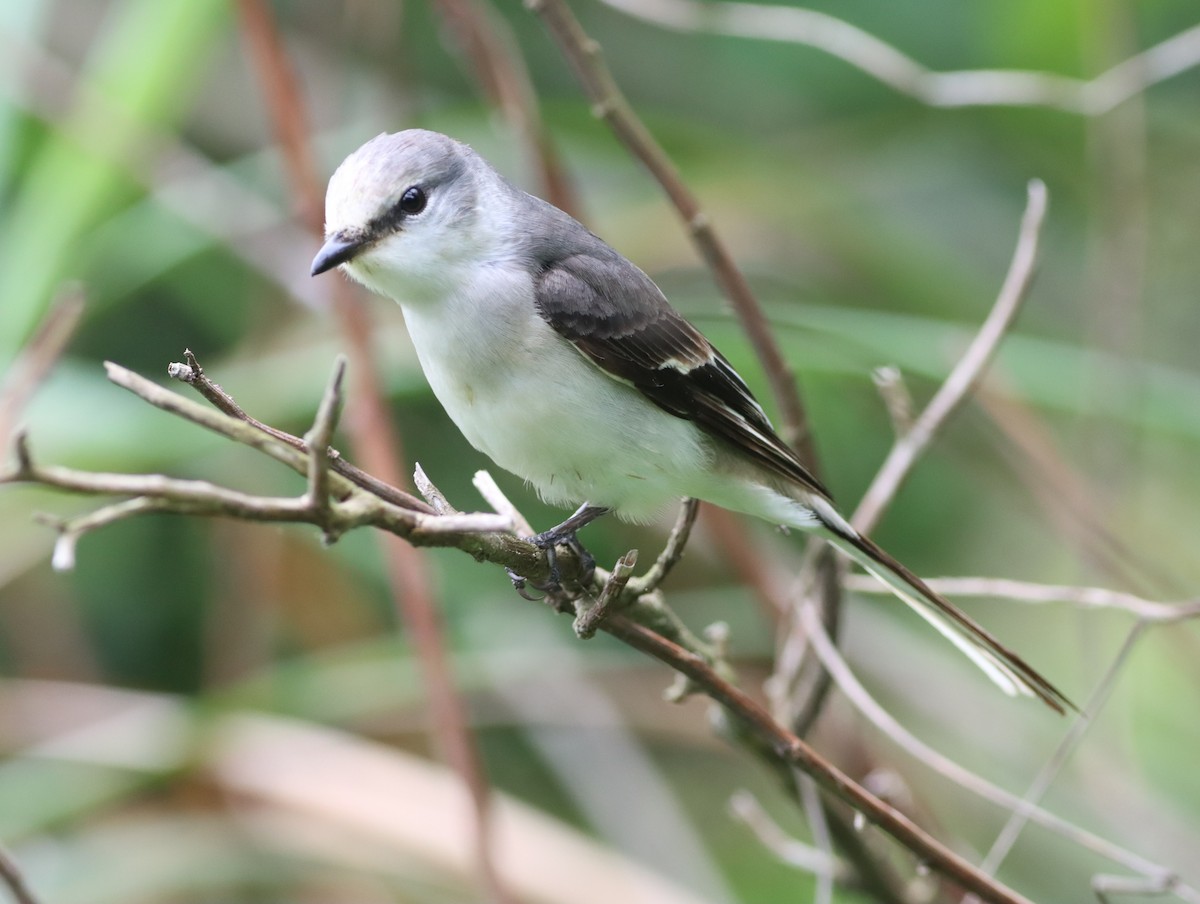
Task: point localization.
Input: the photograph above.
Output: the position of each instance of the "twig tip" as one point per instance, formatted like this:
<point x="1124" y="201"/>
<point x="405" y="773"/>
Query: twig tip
<point x="21" y="447"/>
<point x="339" y="376"/>
<point x="63" y="557"/>
<point x="1038" y="197"/>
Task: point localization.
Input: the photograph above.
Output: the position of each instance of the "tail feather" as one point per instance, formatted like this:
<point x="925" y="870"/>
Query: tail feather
<point x="1011" y="673"/>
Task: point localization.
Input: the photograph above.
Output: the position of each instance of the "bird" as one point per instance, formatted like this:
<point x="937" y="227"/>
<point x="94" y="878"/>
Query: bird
<point x="563" y="362"/>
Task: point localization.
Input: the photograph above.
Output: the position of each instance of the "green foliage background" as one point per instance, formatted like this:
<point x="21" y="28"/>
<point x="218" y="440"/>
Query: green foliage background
<point x="876" y="231"/>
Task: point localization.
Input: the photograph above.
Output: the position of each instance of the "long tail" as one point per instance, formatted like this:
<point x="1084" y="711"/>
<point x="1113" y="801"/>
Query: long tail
<point x="1008" y="670"/>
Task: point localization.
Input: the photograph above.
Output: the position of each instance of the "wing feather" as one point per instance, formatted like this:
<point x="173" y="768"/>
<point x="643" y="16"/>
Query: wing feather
<point x="618" y="318"/>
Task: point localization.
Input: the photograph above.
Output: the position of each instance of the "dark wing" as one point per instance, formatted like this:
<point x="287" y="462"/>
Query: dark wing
<point x="618" y="318"/>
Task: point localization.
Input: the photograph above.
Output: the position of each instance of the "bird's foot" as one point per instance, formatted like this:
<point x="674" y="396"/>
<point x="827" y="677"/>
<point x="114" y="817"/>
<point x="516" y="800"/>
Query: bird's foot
<point x="565" y="535"/>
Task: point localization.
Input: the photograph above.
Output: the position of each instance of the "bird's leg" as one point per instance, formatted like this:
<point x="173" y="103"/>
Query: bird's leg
<point x="565" y="534"/>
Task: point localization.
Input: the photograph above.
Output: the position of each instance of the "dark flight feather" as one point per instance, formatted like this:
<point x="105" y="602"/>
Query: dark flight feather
<point x="618" y="317"/>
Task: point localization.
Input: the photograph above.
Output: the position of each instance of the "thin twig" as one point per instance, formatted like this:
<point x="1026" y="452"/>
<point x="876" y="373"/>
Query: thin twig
<point x="36" y="359"/>
<point x="966" y="374"/>
<point x="1149" y="611"/>
<point x="1148" y="887"/>
<point x="1056" y="484"/>
<point x="1020" y="815"/>
<point x="10" y="875"/>
<point x="186" y="496"/>
<point x="814" y="812"/>
<point x="487" y="41"/>
<point x="193" y="375"/>
<point x="609" y="104"/>
<point x="485" y="535"/>
<point x="672" y="552"/>
<point x="318" y="439"/>
<point x="72" y="529"/>
<point x="746" y="808"/>
<point x="435" y="497"/>
<point x="890" y="383"/>
<point x="231" y="428"/>
<point x="786" y="747"/>
<point x="589" y="616"/>
<point x="878" y="716"/>
<point x="795" y="689"/>
<point x="491" y="492"/>
<point x="463" y="523"/>
<point x="882" y="61"/>
<point x="190" y="497"/>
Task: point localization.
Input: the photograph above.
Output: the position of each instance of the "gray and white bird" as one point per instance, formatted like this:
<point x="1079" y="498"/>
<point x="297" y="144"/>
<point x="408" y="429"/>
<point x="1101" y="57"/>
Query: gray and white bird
<point x="566" y="365"/>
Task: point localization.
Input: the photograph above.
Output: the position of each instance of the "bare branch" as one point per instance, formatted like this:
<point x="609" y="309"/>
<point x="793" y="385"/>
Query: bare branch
<point x="434" y="496"/>
<point x="745" y="807"/>
<point x="490" y="491"/>
<point x="644" y="622"/>
<point x="72" y="529"/>
<point x="484" y="535"/>
<point x="1028" y="592"/>
<point x="966" y="373"/>
<point x="890" y="383"/>
<point x="193" y="374"/>
<point x="672" y="552"/>
<point x="450" y="520"/>
<point x="1020" y="815"/>
<point x="784" y="746"/>
<point x="462" y="523"/>
<point x="231" y="428"/>
<point x="869" y="707"/>
<point x="609" y="104"/>
<point x="1148" y="887"/>
<point x="193" y="497"/>
<point x="38" y="356"/>
<point x="10" y="875"/>
<point x="487" y="41"/>
<point x="883" y="62"/>
<point x="589" y="615"/>
<point x="318" y="439"/>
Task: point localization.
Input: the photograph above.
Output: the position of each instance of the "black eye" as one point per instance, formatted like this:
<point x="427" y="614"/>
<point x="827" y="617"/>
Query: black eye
<point x="413" y="200"/>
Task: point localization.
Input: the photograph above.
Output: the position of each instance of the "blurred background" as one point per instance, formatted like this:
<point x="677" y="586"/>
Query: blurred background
<point x="218" y="711"/>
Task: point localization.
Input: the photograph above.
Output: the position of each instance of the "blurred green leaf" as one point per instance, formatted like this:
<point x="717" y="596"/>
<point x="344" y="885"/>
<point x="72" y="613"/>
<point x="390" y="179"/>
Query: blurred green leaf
<point x="140" y="67"/>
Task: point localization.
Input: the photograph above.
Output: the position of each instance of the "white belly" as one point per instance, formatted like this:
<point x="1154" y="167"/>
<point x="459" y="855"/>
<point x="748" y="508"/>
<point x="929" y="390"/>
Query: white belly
<point x="524" y="396"/>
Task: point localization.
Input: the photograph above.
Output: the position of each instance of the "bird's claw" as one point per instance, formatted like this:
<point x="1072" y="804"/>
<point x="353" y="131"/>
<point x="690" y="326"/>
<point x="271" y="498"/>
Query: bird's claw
<point x="548" y="541"/>
<point x="519" y="584"/>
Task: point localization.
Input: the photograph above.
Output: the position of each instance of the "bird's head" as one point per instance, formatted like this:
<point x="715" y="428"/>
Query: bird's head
<point x="403" y="213"/>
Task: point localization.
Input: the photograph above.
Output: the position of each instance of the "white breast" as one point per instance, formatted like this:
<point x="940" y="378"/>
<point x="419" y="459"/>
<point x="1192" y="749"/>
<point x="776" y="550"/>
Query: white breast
<point x="524" y="396"/>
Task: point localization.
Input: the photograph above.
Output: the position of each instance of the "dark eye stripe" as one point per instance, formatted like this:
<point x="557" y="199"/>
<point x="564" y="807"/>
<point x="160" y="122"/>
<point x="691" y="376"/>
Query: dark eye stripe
<point x="412" y="202"/>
